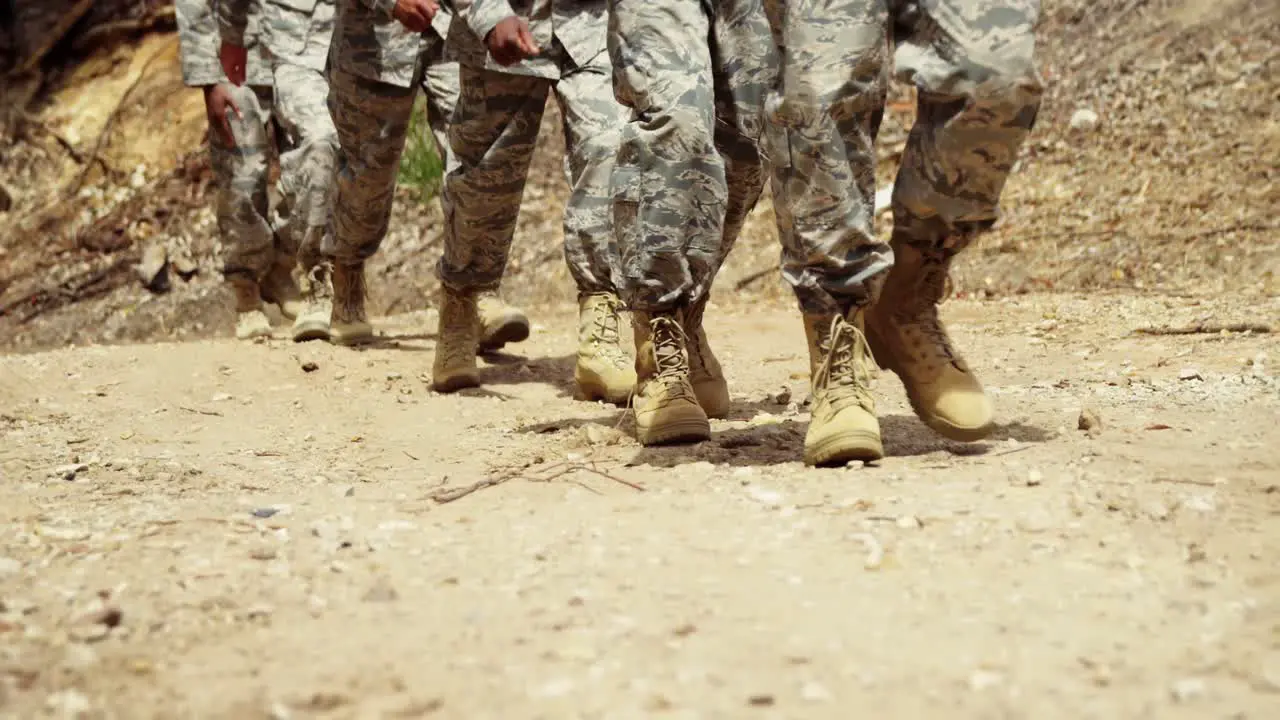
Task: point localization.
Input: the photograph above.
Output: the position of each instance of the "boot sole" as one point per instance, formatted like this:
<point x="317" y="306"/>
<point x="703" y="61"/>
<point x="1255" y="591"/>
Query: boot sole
<point x="310" y="331"/>
<point x="349" y="339"/>
<point x="510" y="331"/>
<point x="844" y="448"/>
<point x="934" y="422"/>
<point x="456" y="383"/>
<point x="678" y="432"/>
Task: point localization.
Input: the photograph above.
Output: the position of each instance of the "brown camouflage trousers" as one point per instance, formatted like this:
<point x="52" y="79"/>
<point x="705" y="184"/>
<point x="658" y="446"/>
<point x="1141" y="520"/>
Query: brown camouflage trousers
<point x="493" y="134"/>
<point x="250" y="247"/>
<point x="372" y="119"/>
<point x="694" y="75"/>
<point x="972" y="63"/>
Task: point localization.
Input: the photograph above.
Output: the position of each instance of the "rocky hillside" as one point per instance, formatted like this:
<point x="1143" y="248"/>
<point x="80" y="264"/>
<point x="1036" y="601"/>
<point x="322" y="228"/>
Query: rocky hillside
<point x="1152" y="167"/>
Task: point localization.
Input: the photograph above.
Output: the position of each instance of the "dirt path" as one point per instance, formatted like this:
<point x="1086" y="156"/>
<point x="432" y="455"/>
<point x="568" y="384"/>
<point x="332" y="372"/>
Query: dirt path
<point x="208" y="530"/>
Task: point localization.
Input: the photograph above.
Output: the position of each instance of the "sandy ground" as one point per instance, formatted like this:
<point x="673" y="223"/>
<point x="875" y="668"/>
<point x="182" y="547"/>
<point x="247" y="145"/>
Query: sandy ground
<point x="210" y="530"/>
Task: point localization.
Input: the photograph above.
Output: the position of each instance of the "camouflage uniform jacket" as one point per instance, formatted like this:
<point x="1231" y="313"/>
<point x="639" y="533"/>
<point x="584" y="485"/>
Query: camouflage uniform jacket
<point x="296" y="32"/>
<point x="579" y="25"/>
<point x="369" y="43"/>
<point x="198" y="41"/>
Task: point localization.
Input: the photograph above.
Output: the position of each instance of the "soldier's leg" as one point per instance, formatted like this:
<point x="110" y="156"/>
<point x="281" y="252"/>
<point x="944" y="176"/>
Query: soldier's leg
<point x="669" y="199"/>
<point x="493" y="133"/>
<point x="306" y="184"/>
<point x="241" y="206"/>
<point x="823" y="119"/>
<point x="972" y="63"/>
<point x="744" y="67"/>
<point x="500" y="323"/>
<point x="440" y="86"/>
<point x="592" y="122"/>
<point x="372" y="120"/>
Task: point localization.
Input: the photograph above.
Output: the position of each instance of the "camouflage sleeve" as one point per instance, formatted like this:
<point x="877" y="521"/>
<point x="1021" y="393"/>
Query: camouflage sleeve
<point x="198" y="43"/>
<point x="382" y="7"/>
<point x="233" y="18"/>
<point x="483" y="15"/>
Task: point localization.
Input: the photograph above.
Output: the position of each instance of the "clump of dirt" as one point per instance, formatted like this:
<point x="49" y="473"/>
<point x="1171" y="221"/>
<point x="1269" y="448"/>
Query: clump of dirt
<point x="1151" y="169"/>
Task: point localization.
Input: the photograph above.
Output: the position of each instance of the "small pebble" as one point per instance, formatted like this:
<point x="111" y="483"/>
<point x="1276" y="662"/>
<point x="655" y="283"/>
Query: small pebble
<point x="1084" y="120"/>
<point x="264" y="552"/>
<point x="1034" y="478"/>
<point x="310" y="366"/>
<point x="1188" y="689"/>
<point x="381" y="592"/>
<point x="1089" y="420"/>
<point x="1189" y="373"/>
<point x="909" y="522"/>
<point x="265" y="512"/>
<point x="761" y="700"/>
<point x="985" y="679"/>
<point x="815" y="692"/>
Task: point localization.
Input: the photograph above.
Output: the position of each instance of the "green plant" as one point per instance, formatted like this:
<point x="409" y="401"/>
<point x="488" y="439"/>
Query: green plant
<point x="420" y="166"/>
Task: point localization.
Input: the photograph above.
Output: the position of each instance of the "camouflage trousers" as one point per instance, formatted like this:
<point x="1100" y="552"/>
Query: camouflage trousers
<point x="250" y="245"/>
<point x="972" y="64"/>
<point x="694" y="75"/>
<point x="493" y="133"/>
<point x="308" y="155"/>
<point x="372" y="118"/>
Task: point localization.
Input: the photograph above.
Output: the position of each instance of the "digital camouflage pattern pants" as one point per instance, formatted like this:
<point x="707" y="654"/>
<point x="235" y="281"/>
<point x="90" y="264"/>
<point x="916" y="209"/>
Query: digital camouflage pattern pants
<point x="494" y="131"/>
<point x="972" y="64"/>
<point x="971" y="61"/>
<point x="308" y="157"/>
<point x="250" y="246"/>
<point x="372" y="118"/>
<point x="694" y="75"/>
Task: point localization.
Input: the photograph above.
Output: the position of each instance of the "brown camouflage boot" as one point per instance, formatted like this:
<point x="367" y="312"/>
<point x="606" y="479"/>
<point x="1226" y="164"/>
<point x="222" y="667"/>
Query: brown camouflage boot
<point x="457" y="338"/>
<point x="500" y="323"/>
<point x="907" y="337"/>
<point x="251" y="322"/>
<point x="279" y="288"/>
<point x="666" y="409"/>
<point x="312" y="323"/>
<point x="705" y="373"/>
<point x="348" y="323"/>
<point x="843" y="426"/>
<point x="604" y="372"/>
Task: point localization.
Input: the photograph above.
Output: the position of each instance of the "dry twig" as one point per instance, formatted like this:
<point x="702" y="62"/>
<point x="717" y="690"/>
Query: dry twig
<point x="1206" y="329"/>
<point x="550" y="473"/>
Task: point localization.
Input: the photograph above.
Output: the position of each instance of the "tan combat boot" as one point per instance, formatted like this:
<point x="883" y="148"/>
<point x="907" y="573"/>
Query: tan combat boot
<point x="843" y="426"/>
<point x="604" y="372"/>
<point x="705" y="373"/>
<point x="279" y="288"/>
<point x="348" y="324"/>
<point x="500" y="323"/>
<point x="312" y="323"/>
<point x="456" y="342"/>
<point x="666" y="409"/>
<point x="907" y="337"/>
<point x="251" y="322"/>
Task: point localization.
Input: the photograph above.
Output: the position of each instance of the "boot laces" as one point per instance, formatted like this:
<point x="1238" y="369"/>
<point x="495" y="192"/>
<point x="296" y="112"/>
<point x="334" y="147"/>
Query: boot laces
<point x="843" y="375"/>
<point x="669" y="340"/>
<point x="605" y="329"/>
<point x="318" y="283"/>
<point x="931" y="289"/>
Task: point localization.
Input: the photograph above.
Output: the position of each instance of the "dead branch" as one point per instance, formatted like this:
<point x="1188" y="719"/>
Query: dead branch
<point x="744" y="282"/>
<point x="548" y="474"/>
<point x="1206" y="329"/>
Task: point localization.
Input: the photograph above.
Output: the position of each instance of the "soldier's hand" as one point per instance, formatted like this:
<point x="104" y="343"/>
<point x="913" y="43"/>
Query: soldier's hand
<point x="233" y="59"/>
<point x="217" y="100"/>
<point x="510" y="41"/>
<point x="415" y="14"/>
